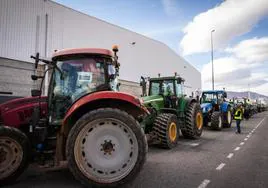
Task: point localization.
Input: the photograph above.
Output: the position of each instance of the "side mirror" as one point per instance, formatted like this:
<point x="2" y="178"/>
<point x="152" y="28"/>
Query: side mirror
<point x="34" y="77"/>
<point x="35" y="92"/>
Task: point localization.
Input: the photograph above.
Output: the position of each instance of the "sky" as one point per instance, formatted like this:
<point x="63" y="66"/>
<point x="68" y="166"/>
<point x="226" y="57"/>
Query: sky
<point x="240" y="37"/>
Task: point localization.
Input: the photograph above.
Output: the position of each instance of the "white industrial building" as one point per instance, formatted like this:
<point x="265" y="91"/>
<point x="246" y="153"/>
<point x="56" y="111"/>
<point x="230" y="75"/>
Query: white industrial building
<point x="30" y="26"/>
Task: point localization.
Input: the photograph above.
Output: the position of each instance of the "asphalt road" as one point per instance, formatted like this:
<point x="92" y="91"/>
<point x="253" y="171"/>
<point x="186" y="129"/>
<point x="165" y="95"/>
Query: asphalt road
<point x="217" y="159"/>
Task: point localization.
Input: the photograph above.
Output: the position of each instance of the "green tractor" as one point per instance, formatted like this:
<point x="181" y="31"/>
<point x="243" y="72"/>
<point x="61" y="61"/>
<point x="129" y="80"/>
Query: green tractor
<point x="171" y="111"/>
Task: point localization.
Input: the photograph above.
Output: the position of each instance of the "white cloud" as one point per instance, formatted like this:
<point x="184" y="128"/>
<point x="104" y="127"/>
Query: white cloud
<point x="235" y="75"/>
<point x="230" y="19"/>
<point x="170" y="7"/>
<point x="253" y="50"/>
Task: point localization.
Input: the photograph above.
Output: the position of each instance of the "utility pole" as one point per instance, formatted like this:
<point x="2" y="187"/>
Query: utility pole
<point x="212" y="58"/>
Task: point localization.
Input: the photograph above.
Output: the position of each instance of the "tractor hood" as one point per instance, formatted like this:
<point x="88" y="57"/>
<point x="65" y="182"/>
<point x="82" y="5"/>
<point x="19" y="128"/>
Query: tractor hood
<point x="206" y="107"/>
<point x="18" y="112"/>
<point x="153" y="102"/>
<point x="153" y="98"/>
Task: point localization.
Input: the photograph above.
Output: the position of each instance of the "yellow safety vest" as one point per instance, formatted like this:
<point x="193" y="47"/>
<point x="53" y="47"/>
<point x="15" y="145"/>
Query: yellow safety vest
<point x="238" y="114"/>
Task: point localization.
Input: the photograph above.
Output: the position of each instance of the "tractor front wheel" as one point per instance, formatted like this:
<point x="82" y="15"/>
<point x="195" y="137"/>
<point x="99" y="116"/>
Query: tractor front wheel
<point x="14" y="154"/>
<point x="193" y="121"/>
<point x="216" y="121"/>
<point x="166" y="129"/>
<point x="106" y="147"/>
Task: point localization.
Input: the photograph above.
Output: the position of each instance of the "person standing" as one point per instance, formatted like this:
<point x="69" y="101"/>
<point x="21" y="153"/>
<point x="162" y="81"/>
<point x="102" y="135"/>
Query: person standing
<point x="238" y="117"/>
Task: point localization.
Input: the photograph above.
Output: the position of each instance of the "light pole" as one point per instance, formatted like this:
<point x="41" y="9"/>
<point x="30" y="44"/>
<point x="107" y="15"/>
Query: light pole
<point x="212" y="58"/>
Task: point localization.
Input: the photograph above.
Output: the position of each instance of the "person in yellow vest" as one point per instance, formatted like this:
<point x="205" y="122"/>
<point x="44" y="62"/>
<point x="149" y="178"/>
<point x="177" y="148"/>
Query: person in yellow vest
<point x="238" y="117"/>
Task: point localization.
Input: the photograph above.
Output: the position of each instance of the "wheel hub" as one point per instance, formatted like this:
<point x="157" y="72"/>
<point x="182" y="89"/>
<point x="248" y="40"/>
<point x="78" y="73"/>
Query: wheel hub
<point x="220" y="122"/>
<point x="172" y="131"/>
<point x="199" y="121"/>
<point x="107" y="147"/>
<point x="229" y="117"/>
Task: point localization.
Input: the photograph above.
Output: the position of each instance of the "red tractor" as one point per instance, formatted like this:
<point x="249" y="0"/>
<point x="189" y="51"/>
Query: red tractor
<point x="83" y="120"/>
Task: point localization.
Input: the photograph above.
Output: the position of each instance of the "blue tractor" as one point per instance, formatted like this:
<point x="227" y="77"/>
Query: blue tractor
<point x="216" y="109"/>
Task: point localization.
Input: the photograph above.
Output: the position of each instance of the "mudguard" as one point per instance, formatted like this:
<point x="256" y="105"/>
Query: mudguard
<point x="18" y="112"/>
<point x="224" y="106"/>
<point x="105" y="95"/>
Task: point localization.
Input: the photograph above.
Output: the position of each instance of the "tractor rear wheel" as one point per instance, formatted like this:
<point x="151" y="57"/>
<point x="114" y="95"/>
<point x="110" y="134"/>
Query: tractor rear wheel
<point x="14" y="154"/>
<point x="193" y="121"/>
<point x="227" y="118"/>
<point x="166" y="129"/>
<point x="216" y="121"/>
<point x="106" y="147"/>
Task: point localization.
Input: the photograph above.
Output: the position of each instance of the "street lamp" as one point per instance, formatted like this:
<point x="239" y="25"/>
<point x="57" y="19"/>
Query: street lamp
<point x="212" y="58"/>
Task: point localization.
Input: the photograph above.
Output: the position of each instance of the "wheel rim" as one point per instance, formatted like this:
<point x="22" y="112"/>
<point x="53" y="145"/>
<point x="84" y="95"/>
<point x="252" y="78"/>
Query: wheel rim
<point x="11" y="154"/>
<point x="106" y="150"/>
<point x="229" y="117"/>
<point x="220" y="122"/>
<point x="199" y="120"/>
<point x="172" y="131"/>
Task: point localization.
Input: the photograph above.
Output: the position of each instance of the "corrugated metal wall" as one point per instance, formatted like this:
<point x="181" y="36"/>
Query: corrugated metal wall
<point x="23" y="32"/>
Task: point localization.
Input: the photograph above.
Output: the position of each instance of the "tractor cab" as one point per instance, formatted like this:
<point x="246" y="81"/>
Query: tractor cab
<point x="213" y="99"/>
<point x="165" y="90"/>
<point x="77" y="73"/>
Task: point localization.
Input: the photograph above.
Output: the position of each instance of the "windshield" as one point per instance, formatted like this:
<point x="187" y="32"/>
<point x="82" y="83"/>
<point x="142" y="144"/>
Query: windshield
<point x="208" y="97"/>
<point x="79" y="77"/>
<point x="165" y="87"/>
<point x="154" y="88"/>
<point x="168" y="87"/>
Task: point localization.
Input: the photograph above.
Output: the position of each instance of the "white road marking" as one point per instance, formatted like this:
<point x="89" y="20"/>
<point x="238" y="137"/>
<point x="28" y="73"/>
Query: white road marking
<point x="189" y="144"/>
<point x="230" y="155"/>
<point x="204" y="183"/>
<point x="220" y="166"/>
<point x="242" y="143"/>
<point x="246" y="139"/>
<point x="237" y="148"/>
<point x="260" y="122"/>
<point x="248" y="136"/>
<point x="194" y="144"/>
